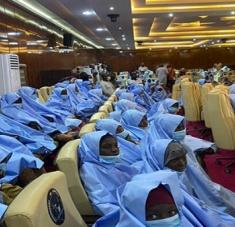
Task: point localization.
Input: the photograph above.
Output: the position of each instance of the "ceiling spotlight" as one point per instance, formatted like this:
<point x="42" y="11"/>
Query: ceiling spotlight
<point x="170" y="14"/>
<point x="124" y="39"/>
<point x="212" y="43"/>
<point x="155" y="40"/>
<point x="232" y="13"/>
<point x="194" y="40"/>
<point x="111" y="8"/>
<point x="4" y="40"/>
<point x="123" y="36"/>
<point x="88" y="13"/>
<point x="100" y="29"/>
<point x="108" y="39"/>
<point x="114" y="44"/>
<point x="218" y="41"/>
<point x="121" y="51"/>
<point x="128" y="48"/>
<point x="13" y="43"/>
<point x="13" y="33"/>
<point x="120" y="28"/>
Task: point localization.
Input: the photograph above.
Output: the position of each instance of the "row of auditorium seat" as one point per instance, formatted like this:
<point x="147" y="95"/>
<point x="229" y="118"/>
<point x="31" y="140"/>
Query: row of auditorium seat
<point x="212" y="105"/>
<point x="32" y="207"/>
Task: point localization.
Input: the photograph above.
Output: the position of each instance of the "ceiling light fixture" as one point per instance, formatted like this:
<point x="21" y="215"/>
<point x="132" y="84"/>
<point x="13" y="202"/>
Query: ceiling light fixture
<point x="108" y="39"/>
<point x="100" y="29"/>
<point x="124" y="39"/>
<point x="4" y="40"/>
<point x="88" y="13"/>
<point x="111" y="8"/>
<point x="232" y="13"/>
<point x="123" y="36"/>
<point x="170" y="14"/>
<point x="120" y="28"/>
<point x="13" y="43"/>
<point x="128" y="48"/>
<point x="13" y="33"/>
<point x="114" y="44"/>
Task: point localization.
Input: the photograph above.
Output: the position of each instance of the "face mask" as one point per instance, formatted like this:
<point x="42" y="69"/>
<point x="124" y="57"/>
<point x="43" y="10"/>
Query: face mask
<point x="109" y="159"/>
<point x="180" y="135"/>
<point x="123" y="134"/>
<point x="173" y="221"/>
<point x="172" y="110"/>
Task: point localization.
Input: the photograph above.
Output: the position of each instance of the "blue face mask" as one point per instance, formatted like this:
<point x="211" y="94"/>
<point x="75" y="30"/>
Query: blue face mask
<point x="173" y="221"/>
<point x="109" y="159"/>
<point x="179" y="135"/>
<point x="172" y="110"/>
<point x="123" y="134"/>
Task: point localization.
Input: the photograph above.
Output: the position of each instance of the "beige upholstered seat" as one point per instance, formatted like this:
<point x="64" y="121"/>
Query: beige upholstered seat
<point x="205" y="89"/>
<point x="192" y="101"/>
<point x="97" y="116"/>
<point x="67" y="162"/>
<point x="176" y="92"/>
<point x="41" y="99"/>
<point x="31" y="207"/>
<point x="112" y="98"/>
<point x="90" y="127"/>
<point x="45" y="93"/>
<point x="222" y="118"/>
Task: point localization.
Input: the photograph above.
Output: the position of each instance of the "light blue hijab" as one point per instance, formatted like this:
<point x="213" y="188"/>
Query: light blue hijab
<point x="124" y="105"/>
<point x="232" y="89"/>
<point x="21" y="158"/>
<point x="24" y="114"/>
<point x="115" y="115"/>
<point x="131" y="152"/>
<point x="36" y="141"/>
<point x="159" y="94"/>
<point x="101" y="180"/>
<point x="132" y="199"/>
<point x="127" y="95"/>
<point x="130" y="121"/>
<point x="193" y="180"/>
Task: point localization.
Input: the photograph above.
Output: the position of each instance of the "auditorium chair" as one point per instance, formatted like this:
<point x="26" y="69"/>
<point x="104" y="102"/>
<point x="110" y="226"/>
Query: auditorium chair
<point x="192" y="101"/>
<point x="46" y="202"/>
<point x="222" y="118"/>
<point x="107" y="107"/>
<point x="97" y="116"/>
<point x="176" y="91"/>
<point x="90" y="127"/>
<point x="45" y="93"/>
<point x="205" y="89"/>
<point x="112" y="98"/>
<point x="68" y="162"/>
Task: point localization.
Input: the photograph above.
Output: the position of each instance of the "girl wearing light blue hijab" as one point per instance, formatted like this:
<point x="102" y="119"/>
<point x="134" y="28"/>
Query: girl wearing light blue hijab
<point x="101" y="171"/>
<point x="124" y="105"/>
<point x="135" y="122"/>
<point x="139" y="196"/>
<point x="131" y="151"/>
<point x="97" y="96"/>
<point x="127" y="95"/>
<point x="36" y="141"/>
<point x="232" y="89"/>
<point x="20" y="159"/>
<point x="13" y="107"/>
<point x="115" y="115"/>
<point x="159" y="94"/>
<point x="168" y="154"/>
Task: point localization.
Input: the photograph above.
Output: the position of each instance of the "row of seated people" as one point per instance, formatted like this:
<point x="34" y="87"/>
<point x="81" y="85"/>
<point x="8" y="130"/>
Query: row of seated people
<point x="141" y="154"/>
<point x="32" y="132"/>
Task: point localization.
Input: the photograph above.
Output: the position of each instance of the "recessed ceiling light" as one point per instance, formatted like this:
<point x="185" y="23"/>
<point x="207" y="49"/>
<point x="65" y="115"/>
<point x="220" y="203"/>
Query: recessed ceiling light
<point x="120" y="28"/>
<point x="124" y="39"/>
<point x="123" y="36"/>
<point x="32" y="43"/>
<point x="88" y="13"/>
<point x="108" y="39"/>
<point x="194" y="40"/>
<point x="121" y="51"/>
<point x="100" y="29"/>
<point x="13" y="43"/>
<point x="3" y="40"/>
<point x="128" y="48"/>
<point x="41" y="41"/>
<point x="155" y="40"/>
<point x="170" y="14"/>
<point x="14" y="33"/>
<point x="118" y="48"/>
<point x="212" y="43"/>
<point x="218" y="41"/>
<point x="232" y="13"/>
<point x="114" y="44"/>
<point x="111" y="8"/>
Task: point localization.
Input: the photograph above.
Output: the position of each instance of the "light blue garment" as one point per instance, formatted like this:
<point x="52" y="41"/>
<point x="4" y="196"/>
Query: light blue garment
<point x="201" y="81"/>
<point x="124" y="105"/>
<point x="3" y="209"/>
<point x="127" y="95"/>
<point x="36" y="141"/>
<point x="131" y="152"/>
<point x="179" y="135"/>
<point x="159" y="94"/>
<point x="193" y="180"/>
<point x="232" y="100"/>
<point x="232" y="89"/>
<point x="84" y="87"/>
<point x="130" y="121"/>
<point x="101" y="180"/>
<point x="21" y="158"/>
<point x="132" y="200"/>
<point x="63" y="84"/>
<point x="96" y="95"/>
<point x="17" y="112"/>
<point x="115" y="115"/>
<point x="119" y="92"/>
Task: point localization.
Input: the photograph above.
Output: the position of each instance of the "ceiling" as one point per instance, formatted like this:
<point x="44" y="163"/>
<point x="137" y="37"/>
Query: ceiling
<point x="142" y="24"/>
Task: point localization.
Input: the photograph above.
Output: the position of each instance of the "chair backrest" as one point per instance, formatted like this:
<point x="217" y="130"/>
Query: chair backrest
<point x="192" y="101"/>
<point x="90" y="127"/>
<point x="205" y="89"/>
<point x="45" y="93"/>
<point x="176" y="91"/>
<point x="112" y="98"/>
<point x="41" y="99"/>
<point x="97" y="116"/>
<point x="222" y="119"/>
<point x="45" y="202"/>
<point x="67" y="162"/>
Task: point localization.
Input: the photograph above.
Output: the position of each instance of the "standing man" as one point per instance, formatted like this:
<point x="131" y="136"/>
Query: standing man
<point x="161" y="74"/>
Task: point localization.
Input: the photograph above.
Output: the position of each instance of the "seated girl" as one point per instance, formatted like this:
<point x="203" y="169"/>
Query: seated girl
<point x="168" y="154"/>
<point x="101" y="171"/>
<point x="124" y="105"/>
